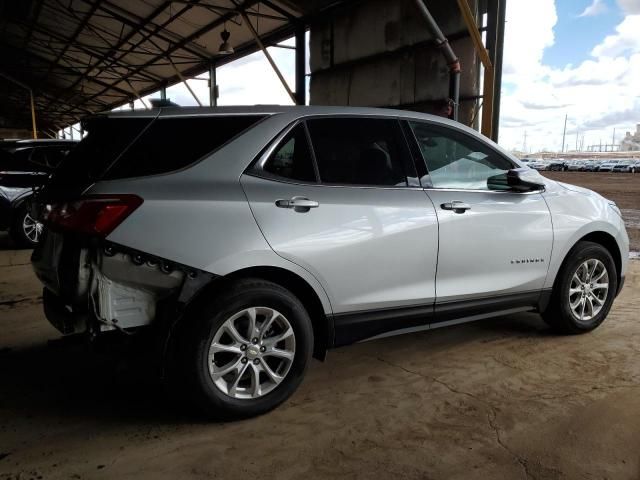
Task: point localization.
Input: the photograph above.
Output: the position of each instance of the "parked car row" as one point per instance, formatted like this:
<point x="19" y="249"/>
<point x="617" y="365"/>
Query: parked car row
<point x="587" y="165"/>
<point x="25" y="166"/>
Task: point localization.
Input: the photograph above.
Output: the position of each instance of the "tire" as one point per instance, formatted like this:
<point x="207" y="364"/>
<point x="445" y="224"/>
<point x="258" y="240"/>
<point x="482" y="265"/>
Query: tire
<point x="25" y="231"/>
<point x="567" y="291"/>
<point x="207" y="325"/>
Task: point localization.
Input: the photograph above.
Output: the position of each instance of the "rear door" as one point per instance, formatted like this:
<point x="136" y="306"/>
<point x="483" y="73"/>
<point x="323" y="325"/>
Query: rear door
<point x="495" y="244"/>
<point x="350" y="211"/>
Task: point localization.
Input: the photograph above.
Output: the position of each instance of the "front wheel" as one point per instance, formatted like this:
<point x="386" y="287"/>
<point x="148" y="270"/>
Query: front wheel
<point x="247" y="352"/>
<point x="584" y="290"/>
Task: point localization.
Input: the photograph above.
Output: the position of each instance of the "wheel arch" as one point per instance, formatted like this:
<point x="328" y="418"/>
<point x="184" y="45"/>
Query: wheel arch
<point x="604" y="239"/>
<point x="298" y="286"/>
<point x="609" y="242"/>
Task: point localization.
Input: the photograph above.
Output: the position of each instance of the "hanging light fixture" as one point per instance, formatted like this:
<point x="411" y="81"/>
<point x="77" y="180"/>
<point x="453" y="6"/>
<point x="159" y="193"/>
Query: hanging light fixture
<point x="225" y="46"/>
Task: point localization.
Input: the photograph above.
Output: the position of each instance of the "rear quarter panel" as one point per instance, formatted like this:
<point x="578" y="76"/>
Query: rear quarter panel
<point x="200" y="216"/>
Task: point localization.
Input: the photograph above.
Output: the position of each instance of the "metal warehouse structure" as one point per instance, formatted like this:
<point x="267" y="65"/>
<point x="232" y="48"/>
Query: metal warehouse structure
<point x="65" y="59"/>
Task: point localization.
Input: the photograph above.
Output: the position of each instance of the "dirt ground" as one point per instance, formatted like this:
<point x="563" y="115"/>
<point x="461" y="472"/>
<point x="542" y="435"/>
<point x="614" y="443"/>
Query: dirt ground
<point x="499" y="399"/>
<point x="622" y="188"/>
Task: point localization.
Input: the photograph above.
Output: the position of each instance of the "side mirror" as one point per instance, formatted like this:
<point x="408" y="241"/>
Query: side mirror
<point x="517" y="180"/>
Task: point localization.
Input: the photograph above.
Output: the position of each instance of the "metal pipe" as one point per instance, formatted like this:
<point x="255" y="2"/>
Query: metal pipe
<point x="256" y="37"/>
<point x="497" y="65"/>
<point x="450" y="57"/>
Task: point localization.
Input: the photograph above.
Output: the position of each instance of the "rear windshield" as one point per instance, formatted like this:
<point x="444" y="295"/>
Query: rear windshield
<point x="135" y="147"/>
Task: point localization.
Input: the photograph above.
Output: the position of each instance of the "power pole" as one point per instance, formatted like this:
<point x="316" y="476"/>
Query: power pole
<point x="613" y="139"/>
<point x="564" y="133"/>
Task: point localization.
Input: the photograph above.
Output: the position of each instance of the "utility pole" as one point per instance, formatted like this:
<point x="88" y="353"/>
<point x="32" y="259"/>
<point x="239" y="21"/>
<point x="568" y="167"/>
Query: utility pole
<point x="564" y="132"/>
<point x="613" y="139"/>
<point x="524" y="142"/>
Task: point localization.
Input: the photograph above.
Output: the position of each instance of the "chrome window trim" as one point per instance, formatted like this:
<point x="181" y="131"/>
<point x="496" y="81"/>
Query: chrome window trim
<point x="434" y="189"/>
<point x="263" y="176"/>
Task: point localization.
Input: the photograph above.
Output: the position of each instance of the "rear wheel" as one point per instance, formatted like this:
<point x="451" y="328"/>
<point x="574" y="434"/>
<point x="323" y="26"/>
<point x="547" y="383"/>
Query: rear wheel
<point x="25" y="230"/>
<point x="247" y="352"/>
<point x="584" y="290"/>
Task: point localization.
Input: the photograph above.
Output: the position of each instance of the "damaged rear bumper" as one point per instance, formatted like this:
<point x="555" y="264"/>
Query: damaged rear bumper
<point x="94" y="286"/>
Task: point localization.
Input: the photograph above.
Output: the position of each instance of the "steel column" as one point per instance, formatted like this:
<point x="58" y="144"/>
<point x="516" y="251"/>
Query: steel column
<point x="213" y="86"/>
<point x="301" y="67"/>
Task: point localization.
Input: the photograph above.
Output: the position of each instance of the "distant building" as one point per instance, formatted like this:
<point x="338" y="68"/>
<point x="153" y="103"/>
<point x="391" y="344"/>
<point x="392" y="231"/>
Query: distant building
<point x="631" y="142"/>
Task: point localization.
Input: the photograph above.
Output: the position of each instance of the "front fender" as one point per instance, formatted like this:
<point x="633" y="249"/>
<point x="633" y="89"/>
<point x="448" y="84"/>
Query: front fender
<point x="576" y="214"/>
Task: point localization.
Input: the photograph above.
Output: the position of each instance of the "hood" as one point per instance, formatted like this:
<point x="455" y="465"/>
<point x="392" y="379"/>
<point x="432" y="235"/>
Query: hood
<point x="582" y="190"/>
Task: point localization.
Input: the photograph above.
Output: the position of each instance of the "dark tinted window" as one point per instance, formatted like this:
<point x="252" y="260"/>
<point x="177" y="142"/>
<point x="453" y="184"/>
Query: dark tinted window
<point x="359" y="151"/>
<point x="173" y="143"/>
<point x="292" y="158"/>
<point x="106" y="140"/>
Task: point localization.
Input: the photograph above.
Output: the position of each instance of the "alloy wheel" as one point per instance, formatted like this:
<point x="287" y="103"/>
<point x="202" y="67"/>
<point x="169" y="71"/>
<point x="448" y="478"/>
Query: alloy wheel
<point x="32" y="228"/>
<point x="251" y="353"/>
<point x="588" y="290"/>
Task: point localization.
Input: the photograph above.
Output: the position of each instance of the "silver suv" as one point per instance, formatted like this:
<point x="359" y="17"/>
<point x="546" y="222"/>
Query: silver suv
<point x="244" y="241"/>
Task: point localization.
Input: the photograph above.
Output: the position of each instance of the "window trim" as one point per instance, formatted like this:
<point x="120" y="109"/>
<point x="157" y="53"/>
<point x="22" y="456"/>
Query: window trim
<point x="256" y="168"/>
<point x="413" y="139"/>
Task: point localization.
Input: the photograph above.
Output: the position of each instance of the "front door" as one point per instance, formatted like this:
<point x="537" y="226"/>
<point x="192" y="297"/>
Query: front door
<point x="495" y="244"/>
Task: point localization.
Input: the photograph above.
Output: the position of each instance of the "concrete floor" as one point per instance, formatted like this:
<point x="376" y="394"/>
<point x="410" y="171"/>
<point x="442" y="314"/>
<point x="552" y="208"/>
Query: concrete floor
<point x="502" y="398"/>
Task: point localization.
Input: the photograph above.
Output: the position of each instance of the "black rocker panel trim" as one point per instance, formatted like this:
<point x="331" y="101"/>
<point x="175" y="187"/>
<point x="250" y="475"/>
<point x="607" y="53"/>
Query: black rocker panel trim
<point x="355" y="326"/>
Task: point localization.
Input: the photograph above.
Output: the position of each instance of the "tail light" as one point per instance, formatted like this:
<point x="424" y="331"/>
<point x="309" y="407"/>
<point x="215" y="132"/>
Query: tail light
<point x="93" y="215"/>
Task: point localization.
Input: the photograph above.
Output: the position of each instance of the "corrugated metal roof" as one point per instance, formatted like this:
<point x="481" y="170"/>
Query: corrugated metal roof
<point x="85" y="56"/>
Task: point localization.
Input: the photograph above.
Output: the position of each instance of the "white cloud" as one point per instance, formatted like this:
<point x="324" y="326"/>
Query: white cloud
<point x="596" y="8"/>
<point x="529" y="30"/>
<point x="629" y="6"/>
<point x="598" y="94"/>
<point x="625" y="40"/>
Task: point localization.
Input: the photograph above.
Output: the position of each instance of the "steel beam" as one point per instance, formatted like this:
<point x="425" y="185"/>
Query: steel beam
<point x="487" y="104"/>
<point x="277" y="71"/>
<point x="197" y="34"/>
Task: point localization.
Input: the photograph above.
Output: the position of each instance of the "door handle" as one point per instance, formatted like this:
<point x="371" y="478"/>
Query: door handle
<point x="299" y="204"/>
<point x="457" y="206"/>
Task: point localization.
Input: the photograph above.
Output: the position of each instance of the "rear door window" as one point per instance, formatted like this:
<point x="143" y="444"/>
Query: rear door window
<point x="292" y="158"/>
<point x="360" y="151"/>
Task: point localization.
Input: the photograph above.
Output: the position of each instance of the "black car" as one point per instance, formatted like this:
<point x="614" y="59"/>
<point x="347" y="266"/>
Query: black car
<point x="26" y="165"/>
<point x="558" y="165"/>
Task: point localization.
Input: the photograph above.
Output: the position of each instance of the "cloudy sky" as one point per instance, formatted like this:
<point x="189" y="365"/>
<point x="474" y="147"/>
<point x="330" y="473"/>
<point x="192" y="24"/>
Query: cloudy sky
<point x="579" y="58"/>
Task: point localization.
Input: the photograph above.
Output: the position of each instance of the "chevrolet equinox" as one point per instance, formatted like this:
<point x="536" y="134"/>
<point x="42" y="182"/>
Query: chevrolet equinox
<point x="245" y="241"/>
